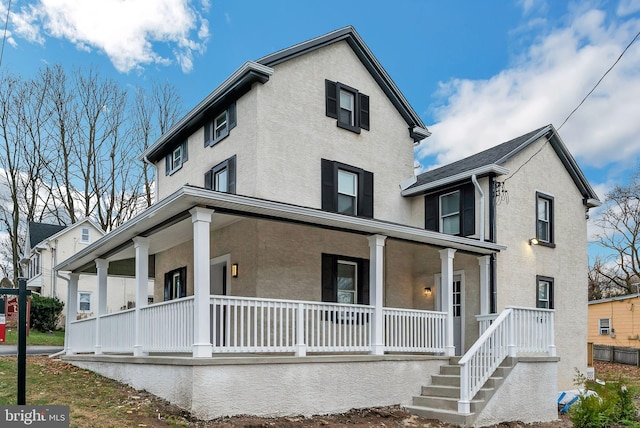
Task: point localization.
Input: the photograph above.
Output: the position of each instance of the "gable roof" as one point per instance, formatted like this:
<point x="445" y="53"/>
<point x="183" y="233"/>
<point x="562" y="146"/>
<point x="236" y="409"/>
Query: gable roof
<point x="38" y="232"/>
<point x="493" y="159"/>
<point x="250" y="72"/>
<point x="615" y="298"/>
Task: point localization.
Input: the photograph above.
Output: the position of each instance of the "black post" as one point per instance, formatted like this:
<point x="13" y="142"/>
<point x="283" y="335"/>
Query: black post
<point x="22" y="341"/>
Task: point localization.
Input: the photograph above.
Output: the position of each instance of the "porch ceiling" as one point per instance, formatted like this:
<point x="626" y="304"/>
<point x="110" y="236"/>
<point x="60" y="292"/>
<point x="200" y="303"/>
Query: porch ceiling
<point x="173" y="212"/>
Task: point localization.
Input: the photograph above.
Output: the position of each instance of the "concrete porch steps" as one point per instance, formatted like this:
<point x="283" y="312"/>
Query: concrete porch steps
<point x="439" y="400"/>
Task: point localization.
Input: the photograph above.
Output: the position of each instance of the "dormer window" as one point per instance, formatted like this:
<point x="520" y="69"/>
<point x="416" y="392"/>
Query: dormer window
<point x="346" y="104"/>
<point x="219" y="128"/>
<point x="175" y="159"/>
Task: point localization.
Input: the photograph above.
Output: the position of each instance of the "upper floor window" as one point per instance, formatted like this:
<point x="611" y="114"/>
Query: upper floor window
<point x="544" y="292"/>
<point x="345" y="279"/>
<point x="544" y="219"/>
<point x="222" y="177"/>
<point x="346" y="104"/>
<point x="219" y="128"/>
<point x="85" y="235"/>
<point x="175" y="159"/>
<point x="451" y="211"/>
<point x="34" y="265"/>
<point x="604" y="326"/>
<point x="175" y="284"/>
<point x="346" y="189"/>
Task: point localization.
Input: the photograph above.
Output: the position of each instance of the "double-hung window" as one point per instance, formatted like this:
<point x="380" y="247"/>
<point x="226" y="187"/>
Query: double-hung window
<point x="85" y="235"/>
<point x="347" y="105"/>
<point x="346" y="189"/>
<point x="347" y="281"/>
<point x="84" y="301"/>
<point x="221" y="125"/>
<point x="544" y="219"/>
<point x="604" y="326"/>
<point x="176" y="158"/>
<point x="544" y="292"/>
<point x="175" y="284"/>
<point x="450" y="213"/>
<point x="222" y="177"/>
<point x="347" y="192"/>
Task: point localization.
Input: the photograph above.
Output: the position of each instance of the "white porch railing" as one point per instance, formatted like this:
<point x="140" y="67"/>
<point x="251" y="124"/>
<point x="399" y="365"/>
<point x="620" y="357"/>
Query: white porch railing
<point x="484" y="321"/>
<point x="167" y="326"/>
<point x="408" y="330"/>
<point x="246" y="324"/>
<point x="514" y="330"/>
<point x="82" y="335"/>
<point x="116" y="332"/>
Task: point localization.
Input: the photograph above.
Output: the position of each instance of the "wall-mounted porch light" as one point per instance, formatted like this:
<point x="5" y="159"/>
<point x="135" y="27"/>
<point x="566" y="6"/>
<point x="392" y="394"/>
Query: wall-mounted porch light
<point x="534" y="241"/>
<point x="427" y="291"/>
<point x="234" y="270"/>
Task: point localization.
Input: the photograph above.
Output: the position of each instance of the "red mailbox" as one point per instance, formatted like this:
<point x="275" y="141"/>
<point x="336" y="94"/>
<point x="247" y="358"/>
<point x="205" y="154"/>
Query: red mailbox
<point x="3" y="320"/>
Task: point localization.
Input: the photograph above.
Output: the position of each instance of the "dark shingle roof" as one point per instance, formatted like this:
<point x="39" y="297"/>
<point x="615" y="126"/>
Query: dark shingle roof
<point x="38" y="232"/>
<point x="486" y="157"/>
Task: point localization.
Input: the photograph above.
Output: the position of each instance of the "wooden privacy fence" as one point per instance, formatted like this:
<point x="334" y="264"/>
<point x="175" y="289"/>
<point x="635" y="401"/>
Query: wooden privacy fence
<point x="617" y="354"/>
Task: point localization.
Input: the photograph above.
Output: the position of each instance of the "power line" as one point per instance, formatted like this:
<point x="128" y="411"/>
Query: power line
<point x="601" y="79"/>
<point x="579" y="105"/>
<point x="4" y="38"/>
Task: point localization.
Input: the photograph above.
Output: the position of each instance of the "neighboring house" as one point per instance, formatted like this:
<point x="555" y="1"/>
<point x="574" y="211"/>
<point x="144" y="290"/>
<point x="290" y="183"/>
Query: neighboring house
<point x="613" y="321"/>
<point x="48" y="244"/>
<point x="292" y="234"/>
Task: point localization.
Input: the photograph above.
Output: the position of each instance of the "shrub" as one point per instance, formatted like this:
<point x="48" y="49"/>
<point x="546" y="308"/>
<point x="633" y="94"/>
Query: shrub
<point x="45" y="312"/>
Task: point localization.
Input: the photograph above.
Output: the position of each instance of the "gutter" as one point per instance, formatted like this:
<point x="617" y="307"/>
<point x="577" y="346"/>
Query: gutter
<point x="481" y="193"/>
<point x="483" y="170"/>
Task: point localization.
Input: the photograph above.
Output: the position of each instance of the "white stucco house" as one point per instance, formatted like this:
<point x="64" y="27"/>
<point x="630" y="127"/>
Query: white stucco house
<point x="47" y="244"/>
<point x="303" y="268"/>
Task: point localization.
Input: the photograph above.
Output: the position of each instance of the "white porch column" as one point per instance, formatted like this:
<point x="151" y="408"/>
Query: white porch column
<point x="376" y="284"/>
<point x="72" y="309"/>
<point x="102" y="265"/>
<point x="484" y="284"/>
<point x="201" y="218"/>
<point x="141" y="244"/>
<point x="446" y="261"/>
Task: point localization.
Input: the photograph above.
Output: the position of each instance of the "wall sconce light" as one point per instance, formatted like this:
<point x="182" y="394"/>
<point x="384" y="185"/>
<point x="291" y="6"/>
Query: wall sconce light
<point x="234" y="270"/>
<point x="534" y="241"/>
<point x="427" y="291"/>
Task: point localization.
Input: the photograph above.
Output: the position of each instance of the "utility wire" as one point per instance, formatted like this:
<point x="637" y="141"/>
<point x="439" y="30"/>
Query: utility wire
<point x="4" y="38"/>
<point x="579" y="105"/>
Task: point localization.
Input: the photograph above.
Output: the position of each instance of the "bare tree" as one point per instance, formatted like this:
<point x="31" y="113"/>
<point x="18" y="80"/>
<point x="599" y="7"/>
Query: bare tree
<point x="620" y="223"/>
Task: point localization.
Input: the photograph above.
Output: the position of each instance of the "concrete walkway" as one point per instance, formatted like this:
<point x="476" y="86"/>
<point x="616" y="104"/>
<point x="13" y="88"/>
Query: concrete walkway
<point x="31" y="350"/>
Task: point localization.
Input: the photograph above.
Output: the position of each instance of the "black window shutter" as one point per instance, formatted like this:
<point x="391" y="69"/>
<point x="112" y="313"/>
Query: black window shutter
<point x="231" y="174"/>
<point x="185" y="151"/>
<point x="231" y="116"/>
<point x="329" y="186"/>
<point x="364" y="111"/>
<point x="366" y="195"/>
<point x="332" y="98"/>
<point x="183" y="281"/>
<point x="329" y="278"/>
<point x="551" y="304"/>
<point x="363" y="284"/>
<point x="167" y="286"/>
<point x="208" y="133"/>
<point x="208" y="180"/>
<point x="431" y="212"/>
<point x="467" y="209"/>
<point x="167" y="164"/>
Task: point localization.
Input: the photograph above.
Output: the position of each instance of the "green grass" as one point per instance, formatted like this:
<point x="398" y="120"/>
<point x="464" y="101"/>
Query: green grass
<point x="54" y="338"/>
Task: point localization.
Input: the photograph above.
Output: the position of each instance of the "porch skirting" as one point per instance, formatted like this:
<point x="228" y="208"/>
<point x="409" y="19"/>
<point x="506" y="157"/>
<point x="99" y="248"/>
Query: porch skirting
<point x="271" y="385"/>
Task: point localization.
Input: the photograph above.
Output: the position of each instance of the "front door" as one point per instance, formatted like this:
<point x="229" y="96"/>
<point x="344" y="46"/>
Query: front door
<point x="218" y="278"/>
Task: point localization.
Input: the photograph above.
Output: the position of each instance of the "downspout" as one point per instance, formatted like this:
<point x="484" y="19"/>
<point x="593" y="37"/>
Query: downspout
<point x="481" y="193"/>
<point x="54" y="251"/>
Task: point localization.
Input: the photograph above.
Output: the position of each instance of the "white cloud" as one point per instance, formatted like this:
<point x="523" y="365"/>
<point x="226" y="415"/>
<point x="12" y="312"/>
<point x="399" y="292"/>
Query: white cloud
<point x="546" y="83"/>
<point x="124" y="30"/>
<point x="627" y="7"/>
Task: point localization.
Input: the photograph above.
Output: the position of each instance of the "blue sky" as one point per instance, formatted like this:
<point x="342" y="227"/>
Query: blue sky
<point x="478" y="73"/>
